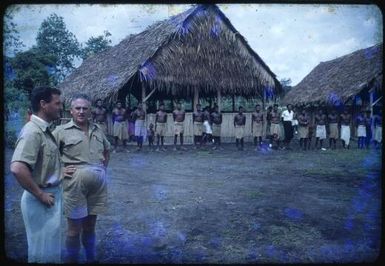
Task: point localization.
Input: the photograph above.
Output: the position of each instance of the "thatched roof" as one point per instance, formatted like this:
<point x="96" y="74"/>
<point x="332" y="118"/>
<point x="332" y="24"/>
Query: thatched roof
<point x="336" y="81"/>
<point x="198" y="48"/>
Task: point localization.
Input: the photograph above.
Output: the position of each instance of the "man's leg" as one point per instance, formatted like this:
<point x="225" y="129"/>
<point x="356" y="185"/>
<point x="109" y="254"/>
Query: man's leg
<point x="73" y="240"/>
<point x="88" y="237"/>
<point x="162" y="140"/>
<point x="241" y="143"/>
<point x="175" y="141"/>
<point x="237" y="143"/>
<point x="181" y="139"/>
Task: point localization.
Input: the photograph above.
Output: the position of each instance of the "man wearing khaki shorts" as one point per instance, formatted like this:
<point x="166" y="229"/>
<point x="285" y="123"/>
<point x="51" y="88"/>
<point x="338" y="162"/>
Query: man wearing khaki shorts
<point x="84" y="151"/>
<point x="160" y="126"/>
<point x="178" y="116"/>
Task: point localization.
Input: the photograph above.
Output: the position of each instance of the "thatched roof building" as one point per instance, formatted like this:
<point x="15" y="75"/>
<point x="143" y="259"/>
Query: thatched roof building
<point x="197" y="50"/>
<point x="338" y="81"/>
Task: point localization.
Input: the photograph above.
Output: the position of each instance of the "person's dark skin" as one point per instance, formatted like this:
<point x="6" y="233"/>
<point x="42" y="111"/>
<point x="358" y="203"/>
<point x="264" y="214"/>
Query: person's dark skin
<point x="160" y="117"/>
<point x="178" y="116"/>
<point x="303" y="120"/>
<point x="320" y="119"/>
<point x="345" y="119"/>
<point x="257" y="117"/>
<point x="239" y="120"/>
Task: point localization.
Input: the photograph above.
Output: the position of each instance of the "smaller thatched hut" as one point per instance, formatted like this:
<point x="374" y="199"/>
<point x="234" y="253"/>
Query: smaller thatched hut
<point x="354" y="79"/>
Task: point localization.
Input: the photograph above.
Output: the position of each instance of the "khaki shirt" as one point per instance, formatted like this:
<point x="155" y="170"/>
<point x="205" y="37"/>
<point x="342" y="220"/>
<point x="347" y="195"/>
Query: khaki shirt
<point x="37" y="148"/>
<point x="79" y="148"/>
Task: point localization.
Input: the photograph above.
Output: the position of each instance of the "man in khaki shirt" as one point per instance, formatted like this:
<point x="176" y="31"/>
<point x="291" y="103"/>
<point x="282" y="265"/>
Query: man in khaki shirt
<point x="36" y="166"/>
<point x="84" y="151"/>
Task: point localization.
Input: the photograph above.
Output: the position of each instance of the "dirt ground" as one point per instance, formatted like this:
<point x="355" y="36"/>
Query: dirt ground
<point x="229" y="206"/>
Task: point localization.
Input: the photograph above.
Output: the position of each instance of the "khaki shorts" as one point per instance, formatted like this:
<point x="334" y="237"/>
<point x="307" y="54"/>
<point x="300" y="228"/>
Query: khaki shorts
<point x="239" y="132"/>
<point x="257" y="129"/>
<point x="178" y="128"/>
<point x="85" y="193"/>
<point x="216" y="130"/>
<point x="121" y="130"/>
<point x="333" y="127"/>
<point x="303" y="132"/>
<point x="160" y="129"/>
<point x="275" y="129"/>
<point x="198" y="128"/>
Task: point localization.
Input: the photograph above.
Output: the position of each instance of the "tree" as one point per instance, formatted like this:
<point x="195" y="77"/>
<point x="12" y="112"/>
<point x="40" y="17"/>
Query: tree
<point x="286" y="84"/>
<point x="54" y="39"/>
<point x="96" y="45"/>
<point x="32" y="68"/>
<point x="11" y="42"/>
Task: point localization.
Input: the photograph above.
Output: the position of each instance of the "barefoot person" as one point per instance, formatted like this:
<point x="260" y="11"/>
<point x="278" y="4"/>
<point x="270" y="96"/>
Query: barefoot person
<point x="99" y="115"/>
<point x="345" y="128"/>
<point x="120" y="125"/>
<point x="361" y="130"/>
<point x="257" y="127"/>
<point x="320" y="130"/>
<point x="178" y="115"/>
<point x="275" y="128"/>
<point x="333" y="128"/>
<point x="160" y="126"/>
<point x="239" y="124"/>
<point x="85" y="153"/>
<point x="36" y="166"/>
<point x="216" y="118"/>
<point x="207" y="130"/>
<point x="140" y="128"/>
<point x="198" y="125"/>
<point x="303" y="129"/>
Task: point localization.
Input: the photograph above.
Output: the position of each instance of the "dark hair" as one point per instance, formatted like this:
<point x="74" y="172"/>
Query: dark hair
<point x="98" y="100"/>
<point x="257" y="105"/>
<point x="42" y="93"/>
<point x="162" y="103"/>
<point x="240" y="107"/>
<point x="276" y="104"/>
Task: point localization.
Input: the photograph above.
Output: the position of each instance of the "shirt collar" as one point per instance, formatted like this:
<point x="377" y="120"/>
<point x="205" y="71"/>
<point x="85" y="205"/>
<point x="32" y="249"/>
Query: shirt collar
<point x="71" y="124"/>
<point x="40" y="122"/>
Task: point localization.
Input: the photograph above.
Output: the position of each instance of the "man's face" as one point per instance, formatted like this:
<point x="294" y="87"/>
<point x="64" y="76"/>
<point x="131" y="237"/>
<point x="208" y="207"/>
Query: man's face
<point x="199" y="108"/>
<point x="140" y="106"/>
<point x="258" y="108"/>
<point x="119" y="105"/>
<point x="289" y="107"/>
<point x="80" y="111"/>
<point x="161" y="107"/>
<point x="240" y="110"/>
<point x="303" y="112"/>
<point x="99" y="103"/>
<point x="275" y="108"/>
<point x="53" y="108"/>
<point x="178" y="106"/>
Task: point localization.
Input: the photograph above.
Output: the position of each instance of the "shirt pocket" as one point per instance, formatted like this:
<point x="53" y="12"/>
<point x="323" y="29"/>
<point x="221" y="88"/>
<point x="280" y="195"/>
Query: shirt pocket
<point x="73" y="147"/>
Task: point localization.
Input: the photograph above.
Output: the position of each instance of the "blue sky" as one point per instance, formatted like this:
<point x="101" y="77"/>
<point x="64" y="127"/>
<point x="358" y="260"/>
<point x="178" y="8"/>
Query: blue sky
<point x="292" y="39"/>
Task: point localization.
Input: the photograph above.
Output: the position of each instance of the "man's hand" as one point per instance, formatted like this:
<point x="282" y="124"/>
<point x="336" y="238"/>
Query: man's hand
<point x="47" y="199"/>
<point x="69" y="170"/>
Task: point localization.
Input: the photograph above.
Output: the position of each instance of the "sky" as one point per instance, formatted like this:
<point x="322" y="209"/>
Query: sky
<point x="291" y="39"/>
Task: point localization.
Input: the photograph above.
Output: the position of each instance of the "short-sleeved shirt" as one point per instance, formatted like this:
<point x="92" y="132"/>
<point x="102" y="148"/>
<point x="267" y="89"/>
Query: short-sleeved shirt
<point x="36" y="146"/>
<point x="76" y="147"/>
<point x="287" y="116"/>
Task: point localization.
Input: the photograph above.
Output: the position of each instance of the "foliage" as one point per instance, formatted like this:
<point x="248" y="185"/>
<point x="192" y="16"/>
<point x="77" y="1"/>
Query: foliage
<point x="54" y="39"/>
<point x="14" y="99"/>
<point x="96" y="45"/>
<point x="11" y="42"/>
<point x="32" y="68"/>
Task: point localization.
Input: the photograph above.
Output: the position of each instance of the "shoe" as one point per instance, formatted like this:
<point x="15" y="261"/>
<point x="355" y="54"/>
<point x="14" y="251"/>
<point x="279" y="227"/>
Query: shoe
<point x="174" y="149"/>
<point x="157" y="149"/>
<point x="323" y="149"/>
<point x="164" y="149"/>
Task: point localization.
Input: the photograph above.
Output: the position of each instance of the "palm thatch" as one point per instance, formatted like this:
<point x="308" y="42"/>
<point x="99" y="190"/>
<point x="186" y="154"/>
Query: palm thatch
<point x="337" y="81"/>
<point x="197" y="49"/>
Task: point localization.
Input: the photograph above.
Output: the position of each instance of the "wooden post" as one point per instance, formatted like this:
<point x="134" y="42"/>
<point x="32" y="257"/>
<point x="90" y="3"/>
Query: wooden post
<point x="144" y="96"/>
<point x="219" y="100"/>
<point x="196" y="99"/>
<point x="233" y="103"/>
